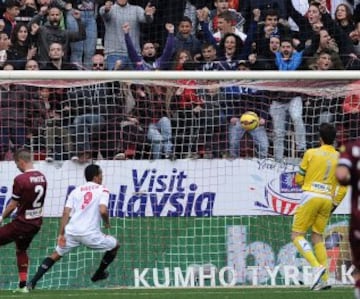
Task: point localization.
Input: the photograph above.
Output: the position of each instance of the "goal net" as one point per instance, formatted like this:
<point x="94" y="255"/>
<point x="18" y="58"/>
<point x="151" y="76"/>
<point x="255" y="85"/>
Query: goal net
<point x="202" y="192"/>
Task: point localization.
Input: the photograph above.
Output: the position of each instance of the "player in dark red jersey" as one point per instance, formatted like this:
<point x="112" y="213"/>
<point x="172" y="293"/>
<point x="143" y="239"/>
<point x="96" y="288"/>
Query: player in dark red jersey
<point x="348" y="173"/>
<point x="29" y="190"/>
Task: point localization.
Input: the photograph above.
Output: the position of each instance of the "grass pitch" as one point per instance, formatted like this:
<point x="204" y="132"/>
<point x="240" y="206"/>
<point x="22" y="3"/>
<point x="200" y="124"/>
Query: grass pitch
<point x="187" y="293"/>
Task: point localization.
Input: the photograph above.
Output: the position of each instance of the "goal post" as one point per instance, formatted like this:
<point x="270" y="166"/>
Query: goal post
<point x="197" y="197"/>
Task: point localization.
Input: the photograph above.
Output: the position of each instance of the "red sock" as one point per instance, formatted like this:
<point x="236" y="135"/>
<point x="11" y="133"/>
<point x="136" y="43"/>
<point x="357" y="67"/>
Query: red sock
<point x="23" y="264"/>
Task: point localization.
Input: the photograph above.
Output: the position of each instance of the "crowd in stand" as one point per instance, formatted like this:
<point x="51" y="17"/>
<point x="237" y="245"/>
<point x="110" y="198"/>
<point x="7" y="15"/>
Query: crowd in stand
<point x="101" y="119"/>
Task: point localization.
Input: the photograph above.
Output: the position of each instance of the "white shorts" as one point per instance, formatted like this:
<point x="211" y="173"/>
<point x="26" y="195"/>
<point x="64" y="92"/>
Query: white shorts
<point x="96" y="241"/>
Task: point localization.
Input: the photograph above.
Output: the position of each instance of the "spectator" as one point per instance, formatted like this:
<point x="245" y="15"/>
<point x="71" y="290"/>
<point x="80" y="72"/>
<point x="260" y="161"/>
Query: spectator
<point x="224" y="6"/>
<point x="151" y="113"/>
<point x="185" y="40"/>
<point x="249" y="101"/>
<point x="225" y="25"/>
<point x="270" y="28"/>
<point x="32" y="65"/>
<point x="326" y="60"/>
<point x="28" y="10"/>
<point x="248" y="6"/>
<point x="322" y="109"/>
<point x="83" y="51"/>
<point x="231" y="47"/>
<point x="211" y="127"/>
<point x="182" y="57"/>
<point x="96" y="109"/>
<point x="187" y="107"/>
<point x="307" y="24"/>
<point x="355" y="37"/>
<point x="9" y="18"/>
<point x="287" y="59"/>
<point x="8" y="66"/>
<point x="4" y="47"/>
<point x="265" y="60"/>
<point x="209" y="60"/>
<point x="114" y="17"/>
<point x="56" y="59"/>
<point x="148" y="60"/>
<point x="51" y="32"/>
<point x="21" y="48"/>
<point x="13" y="119"/>
<point x="168" y="12"/>
<point x="131" y="126"/>
<point x="45" y="124"/>
<point x="344" y="18"/>
<point x="45" y="5"/>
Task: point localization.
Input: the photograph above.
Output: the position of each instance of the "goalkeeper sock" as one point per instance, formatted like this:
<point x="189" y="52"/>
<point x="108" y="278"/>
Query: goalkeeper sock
<point x="321" y="255"/>
<point x="43" y="268"/>
<point x="108" y="257"/>
<point x="304" y="248"/>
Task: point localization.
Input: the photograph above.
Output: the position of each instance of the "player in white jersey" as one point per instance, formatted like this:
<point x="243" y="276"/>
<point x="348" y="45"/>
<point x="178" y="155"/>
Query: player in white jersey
<point x="87" y="205"/>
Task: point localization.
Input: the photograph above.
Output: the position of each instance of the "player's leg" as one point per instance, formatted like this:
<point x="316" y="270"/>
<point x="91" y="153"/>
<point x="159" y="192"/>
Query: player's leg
<point x="45" y="266"/>
<point x="10" y="233"/>
<point x="49" y="261"/>
<point x="304" y="218"/>
<point x="107" y="259"/>
<point x="355" y="252"/>
<point x="318" y="241"/>
<point x="102" y="242"/>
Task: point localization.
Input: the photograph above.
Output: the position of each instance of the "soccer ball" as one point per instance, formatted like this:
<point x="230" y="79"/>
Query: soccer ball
<point x="249" y="121"/>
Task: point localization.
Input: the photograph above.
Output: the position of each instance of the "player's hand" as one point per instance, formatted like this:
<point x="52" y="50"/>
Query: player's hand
<point x="61" y="241"/>
<point x="107" y="225"/>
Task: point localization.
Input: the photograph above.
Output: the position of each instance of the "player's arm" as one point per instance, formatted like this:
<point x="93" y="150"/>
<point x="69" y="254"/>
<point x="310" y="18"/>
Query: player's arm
<point x="64" y="220"/>
<point x="300" y="175"/>
<point x="10" y="207"/>
<point x="104" y="215"/>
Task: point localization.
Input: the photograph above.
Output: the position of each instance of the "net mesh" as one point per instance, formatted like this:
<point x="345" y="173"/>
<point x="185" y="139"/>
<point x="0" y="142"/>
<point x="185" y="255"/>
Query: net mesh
<point x="193" y="201"/>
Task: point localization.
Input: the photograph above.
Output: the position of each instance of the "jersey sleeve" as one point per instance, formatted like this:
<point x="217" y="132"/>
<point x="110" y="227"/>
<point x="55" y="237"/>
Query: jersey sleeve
<point x="104" y="197"/>
<point x="17" y="189"/>
<point x="339" y="194"/>
<point x="299" y="177"/>
<point x="70" y="200"/>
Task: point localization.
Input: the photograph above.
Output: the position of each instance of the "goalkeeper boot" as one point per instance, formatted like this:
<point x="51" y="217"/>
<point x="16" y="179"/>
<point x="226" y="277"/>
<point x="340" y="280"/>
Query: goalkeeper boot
<point x="322" y="285"/>
<point x="99" y="276"/>
<point x="317" y="273"/>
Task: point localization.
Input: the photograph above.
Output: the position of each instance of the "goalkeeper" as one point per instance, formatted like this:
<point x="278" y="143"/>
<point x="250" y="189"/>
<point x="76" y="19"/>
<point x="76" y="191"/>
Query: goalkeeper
<point x="87" y="205"/>
<point x="321" y="195"/>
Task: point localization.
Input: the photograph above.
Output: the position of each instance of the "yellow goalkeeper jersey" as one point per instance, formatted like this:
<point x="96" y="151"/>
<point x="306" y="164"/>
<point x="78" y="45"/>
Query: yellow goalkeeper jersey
<point x="317" y="173"/>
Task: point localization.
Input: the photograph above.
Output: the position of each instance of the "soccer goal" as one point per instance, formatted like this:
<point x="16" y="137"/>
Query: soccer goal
<point x="200" y="167"/>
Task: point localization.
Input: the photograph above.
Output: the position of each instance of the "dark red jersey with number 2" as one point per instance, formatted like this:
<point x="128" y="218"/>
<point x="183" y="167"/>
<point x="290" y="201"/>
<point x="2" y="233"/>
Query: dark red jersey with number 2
<point x="29" y="190"/>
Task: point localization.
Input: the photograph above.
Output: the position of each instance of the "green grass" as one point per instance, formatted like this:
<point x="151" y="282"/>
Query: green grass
<point x="187" y="293"/>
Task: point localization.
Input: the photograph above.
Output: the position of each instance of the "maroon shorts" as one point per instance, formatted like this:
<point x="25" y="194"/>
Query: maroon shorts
<point x="18" y="232"/>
